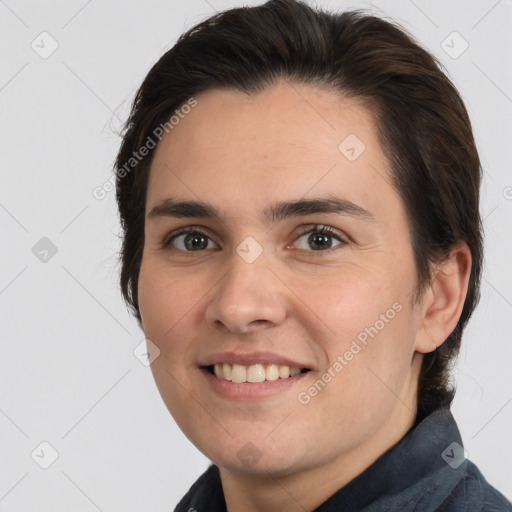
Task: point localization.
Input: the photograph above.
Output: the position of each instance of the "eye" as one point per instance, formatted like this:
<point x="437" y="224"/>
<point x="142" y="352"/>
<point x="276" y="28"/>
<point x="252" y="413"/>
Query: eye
<point x="189" y="239"/>
<point x="319" y="238"/>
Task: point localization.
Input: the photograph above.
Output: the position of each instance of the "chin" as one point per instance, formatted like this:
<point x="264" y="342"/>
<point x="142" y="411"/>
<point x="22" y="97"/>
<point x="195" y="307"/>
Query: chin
<point x="257" y="460"/>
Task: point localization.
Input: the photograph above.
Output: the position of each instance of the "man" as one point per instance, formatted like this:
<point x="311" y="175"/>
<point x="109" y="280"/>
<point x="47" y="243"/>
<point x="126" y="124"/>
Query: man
<point x="302" y="247"/>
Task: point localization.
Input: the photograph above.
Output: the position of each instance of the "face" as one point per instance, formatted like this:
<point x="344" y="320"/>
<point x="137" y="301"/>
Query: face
<point x="296" y="256"/>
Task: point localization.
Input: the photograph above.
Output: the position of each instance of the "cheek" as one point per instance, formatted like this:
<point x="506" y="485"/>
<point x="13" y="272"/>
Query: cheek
<point x="159" y="292"/>
<point x="366" y="319"/>
<point x="166" y="305"/>
<point x="349" y="303"/>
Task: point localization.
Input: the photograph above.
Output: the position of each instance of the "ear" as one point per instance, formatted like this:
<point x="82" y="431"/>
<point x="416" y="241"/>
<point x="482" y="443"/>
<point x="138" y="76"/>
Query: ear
<point x="443" y="300"/>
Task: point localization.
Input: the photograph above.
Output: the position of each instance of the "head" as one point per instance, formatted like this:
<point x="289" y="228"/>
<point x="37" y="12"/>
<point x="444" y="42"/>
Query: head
<point x="278" y="104"/>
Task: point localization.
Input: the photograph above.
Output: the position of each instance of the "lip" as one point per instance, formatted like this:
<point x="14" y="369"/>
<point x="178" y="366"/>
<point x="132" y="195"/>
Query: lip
<point x="250" y="390"/>
<point x="249" y="358"/>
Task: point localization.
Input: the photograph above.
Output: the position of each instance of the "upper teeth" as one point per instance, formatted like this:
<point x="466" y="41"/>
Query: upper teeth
<point x="254" y="373"/>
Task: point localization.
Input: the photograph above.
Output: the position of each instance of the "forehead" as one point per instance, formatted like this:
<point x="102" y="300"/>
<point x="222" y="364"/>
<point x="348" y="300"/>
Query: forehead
<point x="286" y="142"/>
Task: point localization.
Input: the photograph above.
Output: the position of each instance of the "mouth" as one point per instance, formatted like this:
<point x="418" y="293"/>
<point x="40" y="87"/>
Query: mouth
<point x="254" y="373"/>
<point x="251" y="376"/>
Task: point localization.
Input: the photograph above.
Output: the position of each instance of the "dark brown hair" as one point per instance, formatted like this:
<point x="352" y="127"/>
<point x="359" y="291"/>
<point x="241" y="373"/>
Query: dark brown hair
<point x="423" y="127"/>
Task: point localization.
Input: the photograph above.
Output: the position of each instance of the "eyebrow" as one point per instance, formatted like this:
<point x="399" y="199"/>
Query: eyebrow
<point x="274" y="213"/>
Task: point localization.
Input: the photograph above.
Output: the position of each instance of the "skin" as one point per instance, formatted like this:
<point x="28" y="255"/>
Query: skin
<point x="241" y="153"/>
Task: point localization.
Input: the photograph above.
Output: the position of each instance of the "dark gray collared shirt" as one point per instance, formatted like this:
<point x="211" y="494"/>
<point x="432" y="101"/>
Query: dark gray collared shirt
<point x="424" y="472"/>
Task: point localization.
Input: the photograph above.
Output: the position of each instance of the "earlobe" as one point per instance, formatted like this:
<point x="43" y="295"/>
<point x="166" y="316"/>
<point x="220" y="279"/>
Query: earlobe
<point x="443" y="301"/>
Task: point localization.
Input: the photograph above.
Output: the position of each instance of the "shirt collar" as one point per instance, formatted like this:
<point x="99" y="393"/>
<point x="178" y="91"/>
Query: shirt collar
<point x="425" y="465"/>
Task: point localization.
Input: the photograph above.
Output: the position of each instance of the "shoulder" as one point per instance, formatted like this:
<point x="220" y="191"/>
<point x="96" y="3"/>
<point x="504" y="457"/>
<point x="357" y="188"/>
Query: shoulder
<point x="475" y="494"/>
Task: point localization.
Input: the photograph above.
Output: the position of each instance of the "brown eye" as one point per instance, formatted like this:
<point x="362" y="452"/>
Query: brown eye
<point x="319" y="239"/>
<point x="195" y="241"/>
<point x="189" y="240"/>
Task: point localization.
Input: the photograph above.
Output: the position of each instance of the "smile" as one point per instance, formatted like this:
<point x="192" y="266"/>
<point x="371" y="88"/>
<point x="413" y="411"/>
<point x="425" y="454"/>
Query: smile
<point x="253" y="373"/>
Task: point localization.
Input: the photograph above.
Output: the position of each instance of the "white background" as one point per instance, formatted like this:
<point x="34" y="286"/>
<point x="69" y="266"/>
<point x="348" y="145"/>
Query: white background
<point x="68" y="374"/>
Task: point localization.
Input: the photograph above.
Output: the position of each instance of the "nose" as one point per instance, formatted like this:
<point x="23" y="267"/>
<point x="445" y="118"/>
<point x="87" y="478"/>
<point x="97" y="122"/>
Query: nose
<point x="250" y="297"/>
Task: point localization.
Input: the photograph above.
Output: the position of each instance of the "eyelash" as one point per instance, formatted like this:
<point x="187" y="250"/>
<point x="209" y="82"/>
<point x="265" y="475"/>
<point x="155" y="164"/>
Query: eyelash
<point x="316" y="228"/>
